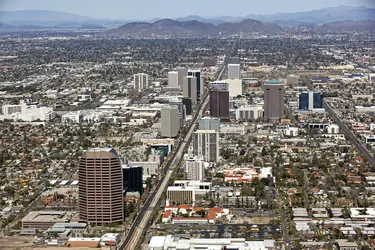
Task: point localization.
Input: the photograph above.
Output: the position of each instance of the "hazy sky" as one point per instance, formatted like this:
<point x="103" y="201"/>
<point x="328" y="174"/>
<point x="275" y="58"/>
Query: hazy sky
<point x="138" y="9"/>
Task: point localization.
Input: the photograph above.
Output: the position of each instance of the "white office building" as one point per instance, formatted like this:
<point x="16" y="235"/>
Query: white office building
<point x="234" y="86"/>
<point x="234" y="71"/>
<point x="333" y="129"/>
<point x="173" y="79"/>
<point x="27" y="113"/>
<point x="171" y="242"/>
<point x="12" y="109"/>
<point x="182" y="72"/>
<point x="170" y="121"/>
<point x="291" y="132"/>
<point x="72" y="117"/>
<point x="194" y="168"/>
<point x="201" y="188"/>
<point x="233" y="129"/>
<point x="114" y="105"/>
<point x="140" y="81"/>
<point x="249" y="112"/>
<point x="206" y="145"/>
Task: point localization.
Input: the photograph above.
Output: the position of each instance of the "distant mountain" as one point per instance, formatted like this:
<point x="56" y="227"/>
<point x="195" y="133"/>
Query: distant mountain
<point x="78" y="25"/>
<point x="348" y="26"/>
<point x="326" y="15"/>
<point x="194" y="28"/>
<point x="40" y="17"/>
<point x="319" y="16"/>
<point x="165" y="27"/>
<point x="287" y="20"/>
<point x="249" y="26"/>
<point x="201" y="19"/>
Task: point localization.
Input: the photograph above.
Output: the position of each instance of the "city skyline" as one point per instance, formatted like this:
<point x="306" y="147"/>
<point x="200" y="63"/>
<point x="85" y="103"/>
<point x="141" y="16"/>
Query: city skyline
<point x="116" y="9"/>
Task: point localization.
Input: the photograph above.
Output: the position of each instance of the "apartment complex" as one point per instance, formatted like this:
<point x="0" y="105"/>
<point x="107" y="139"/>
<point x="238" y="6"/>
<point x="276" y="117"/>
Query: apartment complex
<point x="206" y="145"/>
<point x="194" y="169"/>
<point x="140" y="81"/>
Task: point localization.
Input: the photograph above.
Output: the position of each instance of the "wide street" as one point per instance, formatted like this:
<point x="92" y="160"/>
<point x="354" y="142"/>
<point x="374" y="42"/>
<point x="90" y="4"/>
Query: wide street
<point x="143" y="219"/>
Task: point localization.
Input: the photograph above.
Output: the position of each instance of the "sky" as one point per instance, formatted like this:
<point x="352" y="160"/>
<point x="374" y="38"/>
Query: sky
<point x="140" y="9"/>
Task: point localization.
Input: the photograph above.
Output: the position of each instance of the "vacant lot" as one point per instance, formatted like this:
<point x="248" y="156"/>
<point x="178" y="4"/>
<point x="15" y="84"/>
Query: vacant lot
<point x="16" y="242"/>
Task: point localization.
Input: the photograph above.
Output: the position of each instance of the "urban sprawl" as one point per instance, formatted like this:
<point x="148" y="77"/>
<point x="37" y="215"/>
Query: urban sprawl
<point x="242" y="143"/>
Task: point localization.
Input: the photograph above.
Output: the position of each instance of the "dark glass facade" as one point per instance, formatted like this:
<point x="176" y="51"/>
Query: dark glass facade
<point x="219" y="103"/>
<point x="197" y="75"/>
<point x="133" y="179"/>
<point x="304" y="101"/>
<point x="318" y="101"/>
<point x="188" y="105"/>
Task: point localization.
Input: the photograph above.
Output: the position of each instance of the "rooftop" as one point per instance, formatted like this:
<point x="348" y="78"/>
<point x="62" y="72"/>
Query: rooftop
<point x="84" y="239"/>
<point x="274" y="82"/>
<point x="46" y="216"/>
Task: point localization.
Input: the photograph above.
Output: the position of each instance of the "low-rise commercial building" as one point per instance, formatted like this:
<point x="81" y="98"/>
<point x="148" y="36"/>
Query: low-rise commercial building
<point x="42" y="220"/>
<point x="170" y="242"/>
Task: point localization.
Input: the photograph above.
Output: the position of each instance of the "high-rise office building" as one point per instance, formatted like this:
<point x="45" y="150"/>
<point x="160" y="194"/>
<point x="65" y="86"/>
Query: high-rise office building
<point x="310" y="101"/>
<point x="170" y="121"/>
<point x="194" y="169"/>
<point x="206" y="145"/>
<point x="188" y="105"/>
<point x="200" y="88"/>
<point x="132" y="179"/>
<point x="172" y="79"/>
<point x="190" y="88"/>
<point x="100" y="187"/>
<point x="273" y="99"/>
<point x="209" y="123"/>
<point x="140" y="81"/>
<point x="234" y="71"/>
<point x="181" y="72"/>
<point x="181" y="109"/>
<point x="219" y="103"/>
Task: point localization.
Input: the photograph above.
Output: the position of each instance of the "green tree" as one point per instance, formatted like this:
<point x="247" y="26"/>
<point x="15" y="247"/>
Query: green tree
<point x="126" y="210"/>
<point x="238" y="202"/>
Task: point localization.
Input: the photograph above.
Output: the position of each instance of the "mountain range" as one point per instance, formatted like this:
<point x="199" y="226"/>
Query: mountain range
<point x="168" y="27"/>
<point x="46" y="18"/>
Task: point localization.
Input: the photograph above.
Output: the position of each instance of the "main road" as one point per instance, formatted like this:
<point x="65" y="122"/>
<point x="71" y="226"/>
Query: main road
<point x="349" y="134"/>
<point x="143" y="219"/>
